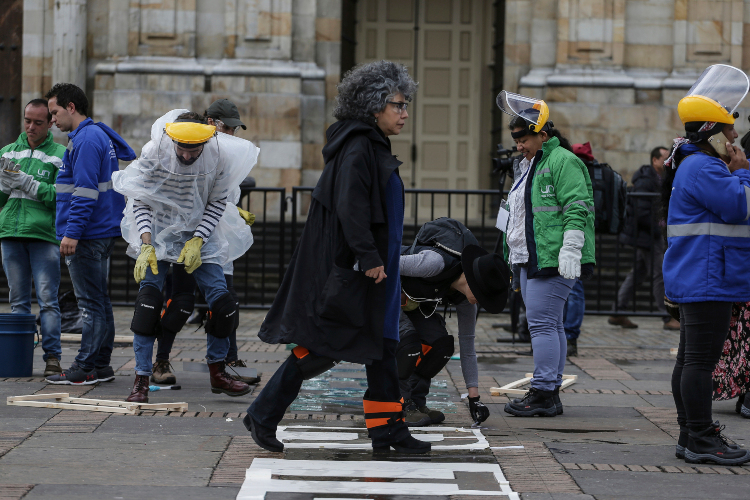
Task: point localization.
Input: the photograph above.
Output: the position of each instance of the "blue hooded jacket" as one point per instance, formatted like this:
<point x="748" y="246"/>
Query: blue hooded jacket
<point x="87" y="206"/>
<point x="708" y="231"/>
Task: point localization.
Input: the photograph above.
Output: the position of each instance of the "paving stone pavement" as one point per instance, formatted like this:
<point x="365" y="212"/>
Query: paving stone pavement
<point x="615" y="439"/>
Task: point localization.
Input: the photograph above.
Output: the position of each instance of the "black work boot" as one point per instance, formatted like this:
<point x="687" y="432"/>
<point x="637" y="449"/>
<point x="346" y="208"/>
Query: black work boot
<point x="708" y="445"/>
<point x="534" y="402"/>
<point x="387" y="429"/>
<point x="682" y="441"/>
<point x="263" y="437"/>
<point x="572" y="348"/>
<point x="556" y="399"/>
<point x="413" y="416"/>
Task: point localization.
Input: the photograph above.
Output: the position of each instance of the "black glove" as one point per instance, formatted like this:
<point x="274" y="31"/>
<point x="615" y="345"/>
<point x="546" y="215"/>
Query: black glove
<point x="479" y="412"/>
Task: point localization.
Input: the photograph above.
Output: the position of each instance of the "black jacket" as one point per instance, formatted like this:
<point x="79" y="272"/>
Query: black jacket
<point x="323" y="304"/>
<point x="642" y="227"/>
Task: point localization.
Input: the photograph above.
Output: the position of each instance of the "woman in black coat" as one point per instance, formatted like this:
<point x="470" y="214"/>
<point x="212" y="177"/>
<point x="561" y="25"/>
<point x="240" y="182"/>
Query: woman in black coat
<point x="340" y="297"/>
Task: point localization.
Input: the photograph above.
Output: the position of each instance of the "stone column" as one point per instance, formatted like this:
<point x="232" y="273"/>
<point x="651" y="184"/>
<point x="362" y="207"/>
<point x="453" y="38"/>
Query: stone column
<point x="69" y="52"/>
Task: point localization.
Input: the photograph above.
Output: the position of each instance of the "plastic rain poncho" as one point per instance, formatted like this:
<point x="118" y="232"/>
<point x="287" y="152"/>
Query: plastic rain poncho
<point x="178" y="195"/>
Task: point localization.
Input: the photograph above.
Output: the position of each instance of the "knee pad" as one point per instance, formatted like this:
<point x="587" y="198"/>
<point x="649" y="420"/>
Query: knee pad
<point x="407" y="354"/>
<point x="147" y="312"/>
<point x="222" y="316"/>
<point x="434" y="357"/>
<point x="177" y="312"/>
<point x="311" y="365"/>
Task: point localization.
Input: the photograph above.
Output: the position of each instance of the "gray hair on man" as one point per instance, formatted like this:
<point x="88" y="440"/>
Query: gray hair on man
<point x="366" y="89"/>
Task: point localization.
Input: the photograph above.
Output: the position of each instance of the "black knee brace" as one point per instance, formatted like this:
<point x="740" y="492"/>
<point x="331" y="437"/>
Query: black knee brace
<point x="177" y="312"/>
<point x="407" y="354"/>
<point x="147" y="311"/>
<point x="311" y="365"/>
<point x="222" y="316"/>
<point x="435" y="357"/>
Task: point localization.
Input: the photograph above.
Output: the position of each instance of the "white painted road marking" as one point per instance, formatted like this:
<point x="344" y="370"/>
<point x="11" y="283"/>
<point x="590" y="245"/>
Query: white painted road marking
<point x="259" y="482"/>
<point x="285" y="435"/>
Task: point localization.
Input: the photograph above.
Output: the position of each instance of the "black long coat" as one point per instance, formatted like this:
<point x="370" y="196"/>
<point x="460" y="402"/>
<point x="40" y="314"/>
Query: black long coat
<point x="643" y="213"/>
<point x="323" y="304"/>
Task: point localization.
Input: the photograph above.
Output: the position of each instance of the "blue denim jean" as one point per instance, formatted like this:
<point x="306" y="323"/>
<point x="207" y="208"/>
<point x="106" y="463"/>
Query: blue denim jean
<point x="40" y="260"/>
<point x="574" y="310"/>
<point x="545" y="299"/>
<point x="210" y="280"/>
<point x="89" y="272"/>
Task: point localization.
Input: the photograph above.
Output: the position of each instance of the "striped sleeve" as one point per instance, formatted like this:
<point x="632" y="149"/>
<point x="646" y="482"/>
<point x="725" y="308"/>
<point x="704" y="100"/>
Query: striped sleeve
<point x="143" y="216"/>
<point x="212" y="214"/>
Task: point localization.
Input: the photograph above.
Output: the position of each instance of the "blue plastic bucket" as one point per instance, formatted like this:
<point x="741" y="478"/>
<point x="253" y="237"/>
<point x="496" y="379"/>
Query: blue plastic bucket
<point x="17" y="344"/>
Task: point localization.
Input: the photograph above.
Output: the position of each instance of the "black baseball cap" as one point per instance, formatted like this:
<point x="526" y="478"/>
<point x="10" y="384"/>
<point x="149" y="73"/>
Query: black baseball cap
<point x="226" y="111"/>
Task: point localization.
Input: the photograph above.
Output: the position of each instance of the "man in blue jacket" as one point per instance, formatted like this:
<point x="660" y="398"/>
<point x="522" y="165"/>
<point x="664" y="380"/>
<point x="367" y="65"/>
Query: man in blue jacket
<point x="88" y="221"/>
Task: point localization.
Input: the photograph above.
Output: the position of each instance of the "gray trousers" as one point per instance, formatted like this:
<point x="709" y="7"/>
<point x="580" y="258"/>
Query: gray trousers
<point x="642" y="269"/>
<point x="545" y="300"/>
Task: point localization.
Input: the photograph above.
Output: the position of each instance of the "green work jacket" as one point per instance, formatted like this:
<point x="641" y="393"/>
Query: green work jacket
<point x="558" y="198"/>
<point x="22" y="216"/>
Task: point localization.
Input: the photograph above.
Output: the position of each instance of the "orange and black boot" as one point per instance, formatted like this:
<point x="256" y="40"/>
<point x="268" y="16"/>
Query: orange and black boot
<point x="387" y="429"/>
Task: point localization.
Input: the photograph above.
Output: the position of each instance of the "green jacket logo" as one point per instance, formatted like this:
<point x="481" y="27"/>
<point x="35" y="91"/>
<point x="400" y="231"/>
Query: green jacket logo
<point x="548" y="191"/>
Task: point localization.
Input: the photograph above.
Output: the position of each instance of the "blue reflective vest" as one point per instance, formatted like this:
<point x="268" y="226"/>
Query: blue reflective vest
<point x="708" y="231"/>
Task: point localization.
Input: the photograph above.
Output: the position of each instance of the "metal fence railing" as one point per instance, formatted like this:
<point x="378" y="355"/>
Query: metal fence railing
<point x="280" y="219"/>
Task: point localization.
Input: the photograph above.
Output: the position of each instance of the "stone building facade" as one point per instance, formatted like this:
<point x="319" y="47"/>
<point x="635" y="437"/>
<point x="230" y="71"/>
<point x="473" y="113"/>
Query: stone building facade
<point x="611" y="70"/>
<point x="614" y="70"/>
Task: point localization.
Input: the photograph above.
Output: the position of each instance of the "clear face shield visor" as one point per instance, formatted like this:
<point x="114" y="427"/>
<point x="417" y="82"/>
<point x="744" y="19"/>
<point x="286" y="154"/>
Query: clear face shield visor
<point x="723" y="84"/>
<point x="534" y="111"/>
<point x="188" y="159"/>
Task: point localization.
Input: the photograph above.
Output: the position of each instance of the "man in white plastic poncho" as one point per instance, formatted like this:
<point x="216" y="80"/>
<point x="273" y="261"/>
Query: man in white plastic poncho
<point x="180" y="210"/>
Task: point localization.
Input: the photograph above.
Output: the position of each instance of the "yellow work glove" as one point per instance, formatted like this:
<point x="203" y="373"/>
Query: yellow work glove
<point x="146" y="258"/>
<point x="191" y="254"/>
<point x="247" y="216"/>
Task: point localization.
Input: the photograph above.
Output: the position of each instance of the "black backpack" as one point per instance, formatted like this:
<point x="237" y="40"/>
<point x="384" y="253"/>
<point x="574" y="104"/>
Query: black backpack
<point x="610" y="193"/>
<point x="444" y="234"/>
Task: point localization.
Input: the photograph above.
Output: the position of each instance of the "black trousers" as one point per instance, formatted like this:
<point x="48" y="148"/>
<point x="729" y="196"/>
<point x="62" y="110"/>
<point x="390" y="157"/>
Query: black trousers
<point x="416" y="387"/>
<point x="283" y="387"/>
<point x="703" y="329"/>
<point x="182" y="281"/>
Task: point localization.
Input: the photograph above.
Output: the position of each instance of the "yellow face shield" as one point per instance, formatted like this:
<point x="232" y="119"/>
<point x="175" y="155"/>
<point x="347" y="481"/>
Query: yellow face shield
<point x="534" y="111"/>
<point x="189" y="132"/>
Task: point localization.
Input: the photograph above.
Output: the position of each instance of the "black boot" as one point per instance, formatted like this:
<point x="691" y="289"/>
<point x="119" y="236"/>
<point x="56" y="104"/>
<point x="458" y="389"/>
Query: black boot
<point x="556" y="399"/>
<point x="741" y="407"/>
<point x="387" y="429"/>
<point x="708" y="445"/>
<point x="682" y="442"/>
<point x="263" y="437"/>
<point x="534" y="402"/>
<point x="572" y="348"/>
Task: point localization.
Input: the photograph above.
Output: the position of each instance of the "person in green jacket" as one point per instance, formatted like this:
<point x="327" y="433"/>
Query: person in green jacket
<point x="549" y="240"/>
<point x="28" y="169"/>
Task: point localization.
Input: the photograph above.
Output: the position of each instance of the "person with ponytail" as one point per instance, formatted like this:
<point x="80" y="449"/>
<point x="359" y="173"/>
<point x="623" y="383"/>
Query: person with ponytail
<point x="706" y="200"/>
<point x="549" y="241"/>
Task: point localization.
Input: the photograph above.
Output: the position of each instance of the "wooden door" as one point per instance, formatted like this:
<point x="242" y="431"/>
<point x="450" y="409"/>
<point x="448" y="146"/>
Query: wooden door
<point x="11" y="30"/>
<point x="442" y="133"/>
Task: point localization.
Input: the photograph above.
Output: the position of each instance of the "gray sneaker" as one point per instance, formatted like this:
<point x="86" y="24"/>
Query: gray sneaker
<point x="52" y="366"/>
<point x="73" y="376"/>
<point x="105" y="374"/>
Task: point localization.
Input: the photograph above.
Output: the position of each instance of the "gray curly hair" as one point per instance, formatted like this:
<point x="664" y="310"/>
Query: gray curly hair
<point x="366" y="88"/>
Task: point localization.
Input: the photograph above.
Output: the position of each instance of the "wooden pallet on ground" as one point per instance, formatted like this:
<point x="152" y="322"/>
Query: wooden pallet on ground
<point x="63" y="401"/>
<point x="513" y="387"/>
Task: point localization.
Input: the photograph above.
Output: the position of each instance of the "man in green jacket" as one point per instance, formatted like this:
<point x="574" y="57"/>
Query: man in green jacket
<point x="28" y="169"/>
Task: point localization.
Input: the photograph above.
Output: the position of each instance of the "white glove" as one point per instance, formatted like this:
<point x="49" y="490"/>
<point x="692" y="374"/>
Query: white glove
<point x="19" y="180"/>
<point x="570" y="254"/>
